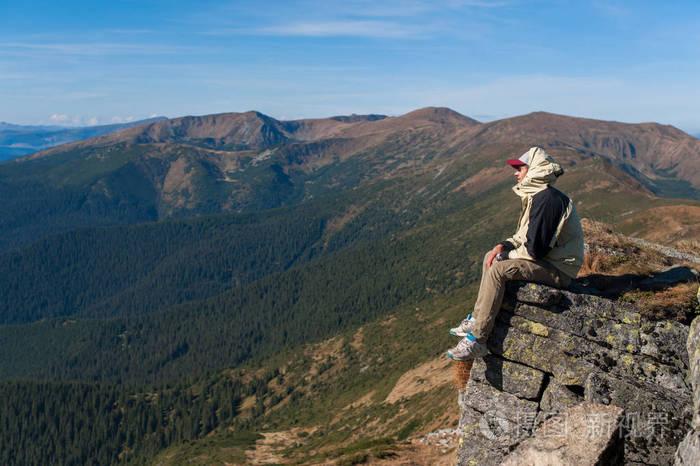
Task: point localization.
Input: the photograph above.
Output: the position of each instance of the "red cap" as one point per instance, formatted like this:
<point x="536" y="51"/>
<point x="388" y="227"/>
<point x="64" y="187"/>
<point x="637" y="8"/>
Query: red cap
<point x="515" y="163"/>
<point x="523" y="160"/>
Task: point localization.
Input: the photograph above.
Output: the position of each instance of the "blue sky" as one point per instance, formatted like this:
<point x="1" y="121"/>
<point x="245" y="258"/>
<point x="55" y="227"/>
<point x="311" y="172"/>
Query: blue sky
<point x="86" y="62"/>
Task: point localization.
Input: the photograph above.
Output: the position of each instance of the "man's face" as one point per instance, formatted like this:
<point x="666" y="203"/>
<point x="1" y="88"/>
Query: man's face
<point x="520" y="172"/>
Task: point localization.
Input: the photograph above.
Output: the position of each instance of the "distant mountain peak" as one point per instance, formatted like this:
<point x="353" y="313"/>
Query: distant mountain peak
<point x="440" y="114"/>
<point x="247" y="130"/>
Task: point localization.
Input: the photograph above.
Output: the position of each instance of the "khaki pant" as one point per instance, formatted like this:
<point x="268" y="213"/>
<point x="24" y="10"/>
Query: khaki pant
<point x="493" y="284"/>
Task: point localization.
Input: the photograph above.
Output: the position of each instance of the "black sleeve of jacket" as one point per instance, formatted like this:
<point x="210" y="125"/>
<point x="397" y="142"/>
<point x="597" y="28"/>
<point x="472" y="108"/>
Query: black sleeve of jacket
<point x="546" y="211"/>
<point x="507" y="245"/>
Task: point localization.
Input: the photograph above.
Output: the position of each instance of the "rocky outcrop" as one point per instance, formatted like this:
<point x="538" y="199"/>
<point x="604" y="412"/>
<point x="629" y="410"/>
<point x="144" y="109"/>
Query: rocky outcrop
<point x="588" y="434"/>
<point x="688" y="452"/>
<point x="553" y="349"/>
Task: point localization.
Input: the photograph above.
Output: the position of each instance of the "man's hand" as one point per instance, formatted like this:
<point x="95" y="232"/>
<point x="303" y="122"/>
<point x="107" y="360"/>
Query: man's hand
<point x="493" y="253"/>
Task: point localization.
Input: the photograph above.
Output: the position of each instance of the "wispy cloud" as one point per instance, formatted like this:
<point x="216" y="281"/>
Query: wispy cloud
<point x="63" y="119"/>
<point x="479" y="3"/>
<point x="91" y="48"/>
<point x="341" y="28"/>
<point x="335" y="9"/>
<point x="126" y="119"/>
<point x="388" y="19"/>
<point x="128" y="31"/>
<point x="405" y="8"/>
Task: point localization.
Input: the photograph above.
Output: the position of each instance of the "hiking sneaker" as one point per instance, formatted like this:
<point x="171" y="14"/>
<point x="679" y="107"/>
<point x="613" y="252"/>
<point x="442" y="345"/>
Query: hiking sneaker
<point x="463" y="328"/>
<point x="467" y="348"/>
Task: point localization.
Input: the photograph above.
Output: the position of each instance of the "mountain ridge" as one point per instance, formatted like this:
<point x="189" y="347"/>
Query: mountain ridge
<point x="235" y="127"/>
<point x="244" y="162"/>
<point x="654" y="150"/>
<point x="427" y="113"/>
<point x="22" y="140"/>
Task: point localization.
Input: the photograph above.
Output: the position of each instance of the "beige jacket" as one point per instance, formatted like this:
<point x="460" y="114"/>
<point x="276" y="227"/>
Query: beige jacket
<point x="567" y="243"/>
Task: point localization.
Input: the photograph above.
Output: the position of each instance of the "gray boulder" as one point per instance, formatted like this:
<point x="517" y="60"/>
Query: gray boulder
<point x="552" y="350"/>
<point x="688" y="452"/>
<point x="588" y="434"/>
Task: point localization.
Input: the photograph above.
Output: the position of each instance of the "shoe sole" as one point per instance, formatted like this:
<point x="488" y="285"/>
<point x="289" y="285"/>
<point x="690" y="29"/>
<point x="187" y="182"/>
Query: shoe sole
<point x="455" y="358"/>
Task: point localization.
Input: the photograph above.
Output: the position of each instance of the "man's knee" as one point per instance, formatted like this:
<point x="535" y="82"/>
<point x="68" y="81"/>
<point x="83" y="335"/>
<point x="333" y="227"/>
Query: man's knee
<point x="505" y="270"/>
<point x="498" y="270"/>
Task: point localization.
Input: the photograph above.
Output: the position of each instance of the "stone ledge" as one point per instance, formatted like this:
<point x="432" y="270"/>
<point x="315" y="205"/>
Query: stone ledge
<point x="510" y="377"/>
<point x="588" y="434"/>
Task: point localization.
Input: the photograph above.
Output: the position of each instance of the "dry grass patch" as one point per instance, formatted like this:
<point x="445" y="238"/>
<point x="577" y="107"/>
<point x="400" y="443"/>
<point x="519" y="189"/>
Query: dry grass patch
<point x="688" y="246"/>
<point x="611" y="253"/>
<point x="270" y="449"/>
<point x="358" y="339"/>
<point x="621" y="269"/>
<point x="423" y="378"/>
<point x="676" y="302"/>
<point x="666" y="224"/>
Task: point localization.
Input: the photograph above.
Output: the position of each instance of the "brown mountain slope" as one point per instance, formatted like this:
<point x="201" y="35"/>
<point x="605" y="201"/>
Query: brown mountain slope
<point x="656" y="151"/>
<point x="244" y="161"/>
<point x="671" y="224"/>
<point x="354" y="126"/>
<point x="322" y="128"/>
<point x="646" y="150"/>
<point x="249" y="130"/>
<point x="444" y="120"/>
<point x="231" y="131"/>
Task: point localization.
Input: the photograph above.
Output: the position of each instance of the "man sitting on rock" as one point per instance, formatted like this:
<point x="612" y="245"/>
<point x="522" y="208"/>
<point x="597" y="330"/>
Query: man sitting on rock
<point x="547" y="248"/>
